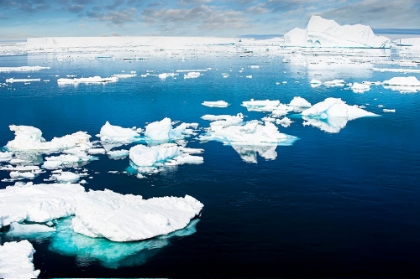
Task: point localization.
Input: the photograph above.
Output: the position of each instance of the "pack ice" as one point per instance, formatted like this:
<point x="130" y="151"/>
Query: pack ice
<point x="322" y="32"/>
<point x="332" y="114"/>
<point x="16" y="260"/>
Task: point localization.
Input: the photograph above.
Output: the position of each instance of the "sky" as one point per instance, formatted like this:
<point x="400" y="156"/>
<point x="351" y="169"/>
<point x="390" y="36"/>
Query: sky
<point x="21" y="19"/>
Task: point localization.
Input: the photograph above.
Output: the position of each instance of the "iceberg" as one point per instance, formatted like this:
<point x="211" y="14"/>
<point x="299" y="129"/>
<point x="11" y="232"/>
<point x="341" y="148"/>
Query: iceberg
<point x="124" y="75"/>
<point x="260" y="105"/>
<point x="111" y="133"/>
<point x="161" y="131"/>
<point x="28" y="138"/>
<point x="360" y="87"/>
<point x="12" y="80"/>
<point x="298" y="104"/>
<point x="335" y="83"/>
<point x="285" y="122"/>
<point x="16" y="260"/>
<point x="125" y="218"/>
<point x="322" y="32"/>
<point x="28" y="230"/>
<point x="118" y="154"/>
<point x="95" y="79"/>
<point x="192" y="75"/>
<point x="332" y="114"/>
<point x="402" y="81"/>
<point x="166" y="75"/>
<point x="217" y="104"/>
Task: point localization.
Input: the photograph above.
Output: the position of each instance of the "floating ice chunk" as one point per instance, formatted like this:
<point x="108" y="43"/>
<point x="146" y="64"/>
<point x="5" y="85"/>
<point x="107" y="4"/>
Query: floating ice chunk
<point x="38" y="203"/>
<point x="252" y="133"/>
<point x="143" y="156"/>
<point x="16" y="260"/>
<point x="211" y="117"/>
<point x="67" y="160"/>
<point x="254" y="66"/>
<point x="66" y="177"/>
<point x="218" y="104"/>
<point x="6" y="156"/>
<point x="299" y="103"/>
<point x="160" y="131"/>
<point x="166" y="75"/>
<point x="388" y="110"/>
<point x="411" y="71"/>
<point x="281" y="110"/>
<point x="225" y="75"/>
<point x="130" y="218"/>
<point x="22" y="69"/>
<point x="402" y="81"/>
<point x="223" y="121"/>
<point x="111" y="133"/>
<point x="17" y="229"/>
<point x="28" y="138"/>
<point x="12" y="80"/>
<point x="52" y="165"/>
<point x="360" y="87"/>
<point x="192" y="75"/>
<point x="125" y="75"/>
<point x="187" y="159"/>
<point x="332" y="114"/>
<point x="95" y="79"/>
<point x="249" y="153"/>
<point x="285" y="122"/>
<point x="248" y="76"/>
<point x="335" y="83"/>
<point x="107" y="253"/>
<point x="96" y="151"/>
<point x="260" y="105"/>
<point x="316" y="81"/>
<point x="22" y="175"/>
<point x="117" y="154"/>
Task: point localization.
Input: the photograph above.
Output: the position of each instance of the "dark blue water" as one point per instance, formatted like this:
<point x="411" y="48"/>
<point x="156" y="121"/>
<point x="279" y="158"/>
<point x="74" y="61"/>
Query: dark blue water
<point x="344" y="204"/>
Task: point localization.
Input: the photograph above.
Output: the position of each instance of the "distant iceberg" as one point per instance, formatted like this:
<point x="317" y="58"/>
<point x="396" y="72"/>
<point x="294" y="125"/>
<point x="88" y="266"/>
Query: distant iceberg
<point x="112" y="133"/>
<point x="322" y="32"/>
<point x="216" y="104"/>
<point x="22" y="69"/>
<point x="12" y="80"/>
<point x="16" y="260"/>
<point x="95" y="79"/>
<point x="408" y="84"/>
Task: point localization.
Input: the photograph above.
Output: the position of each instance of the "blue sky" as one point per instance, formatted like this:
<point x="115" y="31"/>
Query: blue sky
<point x="20" y="19"/>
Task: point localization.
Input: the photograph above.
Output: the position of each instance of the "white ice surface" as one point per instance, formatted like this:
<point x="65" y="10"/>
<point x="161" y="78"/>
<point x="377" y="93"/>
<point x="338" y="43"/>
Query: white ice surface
<point x="160" y="131"/>
<point x="144" y="156"/>
<point x="22" y="69"/>
<point x="66" y="177"/>
<point x="322" y="32"/>
<point x="332" y="114"/>
<point x="12" y="80"/>
<point x="217" y="104"/>
<point x="360" y="87"/>
<point x="113" y="133"/>
<point x="16" y="260"/>
<point x="299" y="103"/>
<point x="260" y="105"/>
<point x="192" y="75"/>
<point x="5" y="156"/>
<point x="130" y="218"/>
<point x="95" y="79"/>
<point x="28" y="138"/>
<point x="402" y="81"/>
<point x="117" y="154"/>
<point x="17" y="229"/>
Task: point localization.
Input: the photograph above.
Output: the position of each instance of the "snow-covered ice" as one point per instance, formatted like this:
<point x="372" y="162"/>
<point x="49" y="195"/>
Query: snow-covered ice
<point x="260" y="105"/>
<point x="332" y="114"/>
<point x="12" y="80"/>
<point x="160" y="131"/>
<point x="217" y="104"/>
<point x="120" y="217"/>
<point x="402" y="81"/>
<point x="166" y="75"/>
<point x="118" y="154"/>
<point x="298" y="104"/>
<point x="28" y="230"/>
<point x="95" y="79"/>
<point x="6" y="156"/>
<point x="360" y="87"/>
<point x="16" y="260"/>
<point x="66" y="177"/>
<point x="113" y="133"/>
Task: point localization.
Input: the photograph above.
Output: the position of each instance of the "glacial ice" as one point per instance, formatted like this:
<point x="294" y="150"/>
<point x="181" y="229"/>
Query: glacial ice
<point x="360" y="87"/>
<point x="217" y="104"/>
<point x="332" y="114"/>
<point x="112" y="133"/>
<point x="192" y="75"/>
<point x="22" y="69"/>
<point x="28" y="138"/>
<point x="299" y="103"/>
<point x="322" y="32"/>
<point x="111" y="254"/>
<point x="161" y="131"/>
<point x="16" y="260"/>
<point x="95" y="79"/>
<point x="123" y="218"/>
<point x="335" y="83"/>
<point x="27" y="230"/>
<point x="402" y="81"/>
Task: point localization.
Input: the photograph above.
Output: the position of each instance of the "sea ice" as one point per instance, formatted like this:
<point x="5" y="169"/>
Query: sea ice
<point x="249" y="153"/>
<point x="27" y="230"/>
<point x="16" y="260"/>
<point x="192" y="75"/>
<point x="144" y="156"/>
<point x="28" y="138"/>
<point x="118" y="154"/>
<point x="285" y="122"/>
<point x="332" y="114"/>
<point x="66" y="177"/>
<point x="38" y="203"/>
<point x="166" y="75"/>
<point x="112" y="133"/>
<point x="298" y="104"/>
<point x="6" y="156"/>
<point x="160" y="131"/>
<point x="217" y="104"/>
<point x="260" y="105"/>
<point x="12" y="80"/>
<point x="335" y="83"/>
<point x="123" y="218"/>
<point x="22" y="69"/>
<point x="360" y="87"/>
<point x="95" y="79"/>
<point x="402" y="81"/>
<point x="124" y="75"/>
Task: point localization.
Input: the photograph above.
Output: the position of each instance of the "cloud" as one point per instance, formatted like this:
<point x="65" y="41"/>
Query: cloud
<point x="76" y="8"/>
<point x="119" y="17"/>
<point x="257" y="9"/>
<point x="201" y="18"/>
<point x="193" y="2"/>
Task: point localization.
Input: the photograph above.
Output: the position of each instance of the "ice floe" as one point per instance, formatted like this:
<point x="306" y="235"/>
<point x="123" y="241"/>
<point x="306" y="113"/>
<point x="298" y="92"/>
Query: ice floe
<point x="332" y="114"/>
<point x="360" y="87"/>
<point x="6" y="156"/>
<point x="298" y="104"/>
<point x="408" y="84"/>
<point x="12" y="80"/>
<point x="130" y="218"/>
<point x="166" y="75"/>
<point x="192" y="75"/>
<point x="260" y="105"/>
<point x="22" y="69"/>
<point x="335" y="83"/>
<point x="160" y="131"/>
<point x="95" y="79"/>
<point x="118" y="154"/>
<point x="16" y="260"/>
<point x="217" y="104"/>
<point x="112" y="133"/>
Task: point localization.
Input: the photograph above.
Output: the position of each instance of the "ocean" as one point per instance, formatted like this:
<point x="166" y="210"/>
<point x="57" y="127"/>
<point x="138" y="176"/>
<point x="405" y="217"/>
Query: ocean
<point x="342" y="204"/>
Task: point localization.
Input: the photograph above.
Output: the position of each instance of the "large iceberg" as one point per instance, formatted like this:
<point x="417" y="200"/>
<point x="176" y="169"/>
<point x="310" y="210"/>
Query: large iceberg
<point x="16" y="260"/>
<point x="130" y="218"/>
<point x="332" y="114"/>
<point x="322" y="32"/>
<point x="161" y="131"/>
